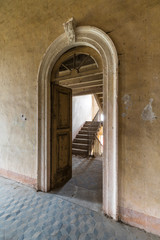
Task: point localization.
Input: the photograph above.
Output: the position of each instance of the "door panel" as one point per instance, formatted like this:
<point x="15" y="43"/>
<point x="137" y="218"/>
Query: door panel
<point x="61" y="135"/>
<point x="63" y="110"/>
<point x="63" y="152"/>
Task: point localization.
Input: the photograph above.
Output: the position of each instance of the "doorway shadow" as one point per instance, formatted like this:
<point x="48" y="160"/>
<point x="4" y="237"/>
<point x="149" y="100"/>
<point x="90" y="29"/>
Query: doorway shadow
<point x="85" y="186"/>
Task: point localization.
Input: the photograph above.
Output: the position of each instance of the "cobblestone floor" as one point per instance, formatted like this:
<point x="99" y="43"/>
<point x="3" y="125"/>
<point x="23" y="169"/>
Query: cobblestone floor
<point x="27" y="214"/>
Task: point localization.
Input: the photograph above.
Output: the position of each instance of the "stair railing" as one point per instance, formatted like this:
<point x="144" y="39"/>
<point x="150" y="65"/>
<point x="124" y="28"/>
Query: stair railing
<point x="97" y="147"/>
<point x="92" y="136"/>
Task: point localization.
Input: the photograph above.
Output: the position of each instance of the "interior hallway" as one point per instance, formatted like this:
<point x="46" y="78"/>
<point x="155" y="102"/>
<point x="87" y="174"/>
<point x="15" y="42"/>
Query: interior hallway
<point x="27" y="214"/>
<point x="85" y="187"/>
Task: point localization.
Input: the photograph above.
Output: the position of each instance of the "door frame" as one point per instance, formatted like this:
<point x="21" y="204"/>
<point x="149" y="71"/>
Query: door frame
<point x="102" y="43"/>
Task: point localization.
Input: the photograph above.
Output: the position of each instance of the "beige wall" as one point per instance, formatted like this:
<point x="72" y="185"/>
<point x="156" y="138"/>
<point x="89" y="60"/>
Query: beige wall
<point x="84" y="108"/>
<point x="28" y="27"/>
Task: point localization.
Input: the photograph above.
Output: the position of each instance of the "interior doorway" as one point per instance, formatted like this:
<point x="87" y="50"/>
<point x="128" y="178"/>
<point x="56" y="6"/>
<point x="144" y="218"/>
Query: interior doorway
<point x="103" y="45"/>
<point x="78" y="72"/>
<point x="77" y="132"/>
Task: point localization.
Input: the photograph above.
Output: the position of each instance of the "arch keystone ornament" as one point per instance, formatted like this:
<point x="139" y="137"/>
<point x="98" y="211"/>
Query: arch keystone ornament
<point x="101" y="42"/>
<point x="69" y="28"/>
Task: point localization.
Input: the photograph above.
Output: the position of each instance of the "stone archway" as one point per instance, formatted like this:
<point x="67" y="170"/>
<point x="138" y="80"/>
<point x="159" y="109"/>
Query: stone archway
<point x="101" y="42"/>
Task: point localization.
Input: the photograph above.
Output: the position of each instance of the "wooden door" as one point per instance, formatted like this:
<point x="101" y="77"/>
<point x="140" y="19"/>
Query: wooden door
<point x="61" y="135"/>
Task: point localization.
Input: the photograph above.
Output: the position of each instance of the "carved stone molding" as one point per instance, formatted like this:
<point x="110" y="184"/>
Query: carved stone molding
<point x="69" y="28"/>
<point x="101" y="42"/>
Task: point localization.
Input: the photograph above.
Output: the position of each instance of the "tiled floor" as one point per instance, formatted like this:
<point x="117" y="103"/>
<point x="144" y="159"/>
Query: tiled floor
<point x="85" y="187"/>
<point x="27" y="214"/>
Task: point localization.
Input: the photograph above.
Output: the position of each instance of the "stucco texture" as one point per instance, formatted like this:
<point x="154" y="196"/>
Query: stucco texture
<point x="84" y="108"/>
<point x="28" y="27"/>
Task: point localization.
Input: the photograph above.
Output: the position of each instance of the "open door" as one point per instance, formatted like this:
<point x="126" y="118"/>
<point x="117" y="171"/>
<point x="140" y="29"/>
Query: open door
<point x="61" y="135"/>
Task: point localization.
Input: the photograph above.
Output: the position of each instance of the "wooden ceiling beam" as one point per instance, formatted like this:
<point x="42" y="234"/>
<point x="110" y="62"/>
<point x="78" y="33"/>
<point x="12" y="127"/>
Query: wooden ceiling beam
<point x="100" y="105"/>
<point x="79" y="79"/>
<point x="100" y="95"/>
<point x="86" y="85"/>
<point x="85" y="91"/>
<point x="85" y="68"/>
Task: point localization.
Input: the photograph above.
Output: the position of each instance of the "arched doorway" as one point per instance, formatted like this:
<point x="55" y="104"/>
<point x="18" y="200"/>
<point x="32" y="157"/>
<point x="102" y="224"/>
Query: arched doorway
<point x="77" y="75"/>
<point x="100" y="42"/>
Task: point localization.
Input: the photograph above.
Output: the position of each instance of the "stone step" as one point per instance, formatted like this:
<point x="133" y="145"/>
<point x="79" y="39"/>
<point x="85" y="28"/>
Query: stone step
<point x="91" y="123"/>
<point x="80" y="140"/>
<point x="94" y="126"/>
<point x="80" y="152"/>
<point x="85" y="136"/>
<point x="90" y="128"/>
<point x="80" y="146"/>
<point x="87" y="132"/>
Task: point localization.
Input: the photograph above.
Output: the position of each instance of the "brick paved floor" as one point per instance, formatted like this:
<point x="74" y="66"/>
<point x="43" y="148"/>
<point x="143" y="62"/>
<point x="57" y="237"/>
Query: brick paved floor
<point x="27" y="214"/>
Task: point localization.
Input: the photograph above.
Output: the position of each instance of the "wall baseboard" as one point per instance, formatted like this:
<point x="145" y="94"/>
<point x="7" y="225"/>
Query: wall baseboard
<point x="140" y="220"/>
<point x="18" y="177"/>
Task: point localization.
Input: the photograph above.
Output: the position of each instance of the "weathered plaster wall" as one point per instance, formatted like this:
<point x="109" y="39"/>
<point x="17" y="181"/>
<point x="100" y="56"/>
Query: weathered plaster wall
<point x="84" y="108"/>
<point x="81" y="112"/>
<point x="27" y="28"/>
<point x="95" y="108"/>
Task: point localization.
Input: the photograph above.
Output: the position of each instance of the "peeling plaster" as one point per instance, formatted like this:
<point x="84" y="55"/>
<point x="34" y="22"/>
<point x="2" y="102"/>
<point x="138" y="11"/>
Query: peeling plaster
<point x="124" y="114"/>
<point x="148" y="114"/>
<point x="127" y="102"/>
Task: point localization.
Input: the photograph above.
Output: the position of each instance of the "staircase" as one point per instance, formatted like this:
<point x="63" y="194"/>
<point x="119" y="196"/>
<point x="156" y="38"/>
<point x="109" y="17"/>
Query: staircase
<point x="85" y="138"/>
